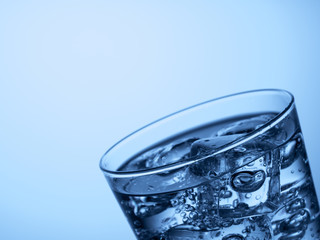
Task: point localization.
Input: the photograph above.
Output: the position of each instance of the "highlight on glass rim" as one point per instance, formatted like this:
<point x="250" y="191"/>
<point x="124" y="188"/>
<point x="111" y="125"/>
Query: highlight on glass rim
<point x="233" y="168"/>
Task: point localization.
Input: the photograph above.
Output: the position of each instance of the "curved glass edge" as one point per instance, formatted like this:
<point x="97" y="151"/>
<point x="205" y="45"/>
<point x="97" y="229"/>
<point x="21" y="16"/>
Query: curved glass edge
<point x="265" y="127"/>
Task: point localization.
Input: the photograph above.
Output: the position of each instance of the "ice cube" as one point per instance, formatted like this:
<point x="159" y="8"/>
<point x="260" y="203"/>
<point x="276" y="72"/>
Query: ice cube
<point x="247" y="187"/>
<point x="172" y="153"/>
<point x="160" y="156"/>
<point x="245" y="126"/>
<point x="229" y="229"/>
<point x="150" y="205"/>
<point x="248" y="175"/>
<point x="276" y="135"/>
<point x="210" y="145"/>
<point x="140" y="162"/>
<point x="152" y="214"/>
<point x="212" y="165"/>
<point x="196" y="204"/>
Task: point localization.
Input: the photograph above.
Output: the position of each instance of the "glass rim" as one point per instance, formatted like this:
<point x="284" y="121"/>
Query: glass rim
<point x="263" y="128"/>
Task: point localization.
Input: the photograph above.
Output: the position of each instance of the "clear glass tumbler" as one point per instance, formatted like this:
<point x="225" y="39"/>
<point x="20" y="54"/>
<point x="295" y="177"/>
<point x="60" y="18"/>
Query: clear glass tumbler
<point x="232" y="168"/>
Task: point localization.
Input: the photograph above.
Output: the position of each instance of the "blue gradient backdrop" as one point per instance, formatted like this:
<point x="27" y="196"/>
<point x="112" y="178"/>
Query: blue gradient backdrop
<point x="76" y="76"/>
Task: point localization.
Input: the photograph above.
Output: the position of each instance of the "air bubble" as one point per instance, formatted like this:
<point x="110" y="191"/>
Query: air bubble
<point x="189" y="208"/>
<point x="174" y="202"/>
<point x="248" y="181"/>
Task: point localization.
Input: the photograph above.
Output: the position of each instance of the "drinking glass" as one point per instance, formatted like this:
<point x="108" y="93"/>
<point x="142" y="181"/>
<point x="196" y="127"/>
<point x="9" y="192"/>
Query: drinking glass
<point x="232" y="168"/>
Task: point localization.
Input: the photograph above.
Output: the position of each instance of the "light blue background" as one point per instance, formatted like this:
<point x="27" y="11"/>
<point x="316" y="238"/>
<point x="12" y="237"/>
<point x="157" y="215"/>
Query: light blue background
<point x="76" y="76"/>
